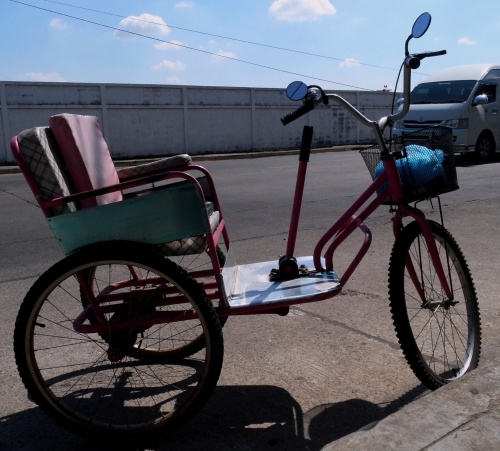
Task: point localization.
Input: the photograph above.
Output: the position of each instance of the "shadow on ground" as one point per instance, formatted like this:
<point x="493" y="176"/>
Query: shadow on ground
<point x="236" y="417"/>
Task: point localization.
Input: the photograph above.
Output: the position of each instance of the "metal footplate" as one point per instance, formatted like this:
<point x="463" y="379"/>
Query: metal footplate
<point x="249" y="285"/>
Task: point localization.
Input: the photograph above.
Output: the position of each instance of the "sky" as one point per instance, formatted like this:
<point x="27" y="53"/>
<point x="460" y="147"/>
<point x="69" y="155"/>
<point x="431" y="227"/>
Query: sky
<point x="337" y="44"/>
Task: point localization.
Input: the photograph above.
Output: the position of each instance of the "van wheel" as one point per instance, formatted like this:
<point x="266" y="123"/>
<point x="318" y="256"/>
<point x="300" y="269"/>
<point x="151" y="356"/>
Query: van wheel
<point x="485" y="147"/>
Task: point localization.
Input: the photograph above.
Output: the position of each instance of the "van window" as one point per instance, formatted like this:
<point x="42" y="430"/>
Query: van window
<point x="489" y="89"/>
<point x="493" y="73"/>
<point x="442" y="92"/>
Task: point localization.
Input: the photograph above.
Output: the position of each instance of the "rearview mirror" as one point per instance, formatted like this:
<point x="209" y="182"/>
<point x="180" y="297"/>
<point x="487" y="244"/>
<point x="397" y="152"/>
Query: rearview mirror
<point x="296" y="90"/>
<point x="421" y="25"/>
<point x="481" y="99"/>
<point x="419" y="28"/>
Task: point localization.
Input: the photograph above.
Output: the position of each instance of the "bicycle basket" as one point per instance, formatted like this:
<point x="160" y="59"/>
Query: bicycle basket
<point x="425" y="161"/>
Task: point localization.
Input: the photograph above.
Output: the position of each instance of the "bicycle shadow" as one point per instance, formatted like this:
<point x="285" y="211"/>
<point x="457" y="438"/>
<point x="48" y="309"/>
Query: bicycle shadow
<point x="236" y="417"/>
<point x="262" y="417"/>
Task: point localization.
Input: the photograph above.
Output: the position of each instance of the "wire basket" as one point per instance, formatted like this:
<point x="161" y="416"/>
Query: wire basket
<point x="425" y="161"/>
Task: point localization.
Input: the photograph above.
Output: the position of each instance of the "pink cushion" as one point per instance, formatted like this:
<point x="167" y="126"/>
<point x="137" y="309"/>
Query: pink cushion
<point x="85" y="155"/>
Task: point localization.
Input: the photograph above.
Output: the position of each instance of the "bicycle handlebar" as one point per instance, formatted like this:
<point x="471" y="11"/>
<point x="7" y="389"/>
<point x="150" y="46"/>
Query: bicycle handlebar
<point x="290" y="117"/>
<point x="430" y="54"/>
<point x="413" y="61"/>
<point x="313" y="97"/>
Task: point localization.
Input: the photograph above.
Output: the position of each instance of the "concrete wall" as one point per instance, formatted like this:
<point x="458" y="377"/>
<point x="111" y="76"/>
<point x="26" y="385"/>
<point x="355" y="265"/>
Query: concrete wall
<point x="157" y="120"/>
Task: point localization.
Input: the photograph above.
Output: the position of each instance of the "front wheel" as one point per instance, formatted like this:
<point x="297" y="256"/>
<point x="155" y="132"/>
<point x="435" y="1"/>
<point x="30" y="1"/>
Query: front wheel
<point x="440" y="337"/>
<point x="485" y="147"/>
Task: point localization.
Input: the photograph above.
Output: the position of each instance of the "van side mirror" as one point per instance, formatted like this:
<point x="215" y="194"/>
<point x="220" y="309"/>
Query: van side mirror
<point x="480" y="100"/>
<point x="400" y="101"/>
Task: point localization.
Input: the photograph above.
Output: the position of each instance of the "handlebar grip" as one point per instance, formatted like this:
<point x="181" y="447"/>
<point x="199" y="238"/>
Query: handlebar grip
<point x="423" y="55"/>
<point x="290" y="117"/>
<point x="438" y="53"/>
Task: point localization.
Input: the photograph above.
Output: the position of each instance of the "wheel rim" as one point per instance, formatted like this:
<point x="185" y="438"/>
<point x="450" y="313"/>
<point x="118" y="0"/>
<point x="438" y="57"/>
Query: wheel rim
<point x="75" y="377"/>
<point x="484" y="148"/>
<point x="444" y="331"/>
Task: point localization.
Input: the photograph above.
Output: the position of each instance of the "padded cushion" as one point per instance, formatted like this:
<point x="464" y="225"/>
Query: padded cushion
<point x="40" y="154"/>
<point x="85" y="155"/>
<point x="191" y="245"/>
<point x="163" y="165"/>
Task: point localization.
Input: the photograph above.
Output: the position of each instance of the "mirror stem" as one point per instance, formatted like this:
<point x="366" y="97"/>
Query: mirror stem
<point x="406" y="45"/>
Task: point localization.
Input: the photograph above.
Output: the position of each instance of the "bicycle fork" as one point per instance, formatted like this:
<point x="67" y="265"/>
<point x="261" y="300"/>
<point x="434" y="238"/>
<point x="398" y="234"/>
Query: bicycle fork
<point x="406" y="210"/>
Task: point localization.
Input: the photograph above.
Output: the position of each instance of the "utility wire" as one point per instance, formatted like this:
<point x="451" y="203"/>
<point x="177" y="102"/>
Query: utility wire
<point x="188" y="47"/>
<point x="317" y="55"/>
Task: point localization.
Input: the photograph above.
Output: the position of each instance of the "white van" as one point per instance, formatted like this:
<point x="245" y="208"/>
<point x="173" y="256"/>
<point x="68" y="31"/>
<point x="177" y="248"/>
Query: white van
<point x="465" y="98"/>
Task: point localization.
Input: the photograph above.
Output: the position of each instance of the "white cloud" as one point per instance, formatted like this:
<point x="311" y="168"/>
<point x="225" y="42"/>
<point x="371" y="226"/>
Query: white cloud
<point x="173" y="80"/>
<point x="182" y="5"/>
<point x="301" y="10"/>
<point x="171" y="45"/>
<point x="466" y="41"/>
<point x="170" y="65"/>
<point x="222" y="54"/>
<point x="58" y="24"/>
<point x="350" y="62"/>
<point x="143" y="24"/>
<point x="39" y="76"/>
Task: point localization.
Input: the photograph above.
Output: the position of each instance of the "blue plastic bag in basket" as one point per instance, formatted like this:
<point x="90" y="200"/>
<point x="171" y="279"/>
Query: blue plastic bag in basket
<point x="421" y="166"/>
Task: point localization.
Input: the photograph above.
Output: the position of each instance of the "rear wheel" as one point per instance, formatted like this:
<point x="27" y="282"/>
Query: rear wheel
<point x="440" y="337"/>
<point x="91" y="383"/>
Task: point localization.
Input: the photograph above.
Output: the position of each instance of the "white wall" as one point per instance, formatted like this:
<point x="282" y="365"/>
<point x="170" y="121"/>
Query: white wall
<point x="157" y="120"/>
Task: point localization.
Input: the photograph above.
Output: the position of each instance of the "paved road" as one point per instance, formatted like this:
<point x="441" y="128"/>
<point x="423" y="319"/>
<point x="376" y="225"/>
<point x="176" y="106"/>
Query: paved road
<point x="297" y="382"/>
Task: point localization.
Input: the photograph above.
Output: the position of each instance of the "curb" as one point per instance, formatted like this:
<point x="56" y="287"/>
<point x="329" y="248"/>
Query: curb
<point x="462" y="415"/>
<point x="14" y="169"/>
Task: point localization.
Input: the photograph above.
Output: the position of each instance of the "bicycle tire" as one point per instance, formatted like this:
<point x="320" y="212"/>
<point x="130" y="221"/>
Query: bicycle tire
<point x="69" y="374"/>
<point x="440" y="339"/>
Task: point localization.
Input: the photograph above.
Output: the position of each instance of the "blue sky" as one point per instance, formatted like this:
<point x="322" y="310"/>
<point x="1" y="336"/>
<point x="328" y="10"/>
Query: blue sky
<point x="361" y="42"/>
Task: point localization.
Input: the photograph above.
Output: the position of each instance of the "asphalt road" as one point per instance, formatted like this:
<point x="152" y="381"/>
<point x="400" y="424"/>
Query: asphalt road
<point x="297" y="382"/>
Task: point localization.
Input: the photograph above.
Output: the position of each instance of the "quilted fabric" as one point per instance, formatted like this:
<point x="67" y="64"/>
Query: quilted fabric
<point x="39" y="151"/>
<point x="191" y="245"/>
<point x="163" y="165"/>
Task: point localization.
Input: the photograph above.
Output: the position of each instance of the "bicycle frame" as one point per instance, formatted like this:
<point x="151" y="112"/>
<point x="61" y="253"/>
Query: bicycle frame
<point x="349" y="221"/>
<point x="327" y="244"/>
<point x="325" y="248"/>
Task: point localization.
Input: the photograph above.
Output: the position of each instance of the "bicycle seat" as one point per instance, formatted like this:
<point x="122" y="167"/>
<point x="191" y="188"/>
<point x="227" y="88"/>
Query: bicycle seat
<point x="71" y="157"/>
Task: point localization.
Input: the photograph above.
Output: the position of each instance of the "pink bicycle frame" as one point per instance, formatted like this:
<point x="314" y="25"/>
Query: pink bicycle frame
<point x="326" y="247"/>
<point x="348" y="222"/>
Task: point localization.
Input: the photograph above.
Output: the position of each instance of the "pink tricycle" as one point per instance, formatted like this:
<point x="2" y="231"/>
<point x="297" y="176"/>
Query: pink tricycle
<point x="123" y="337"/>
